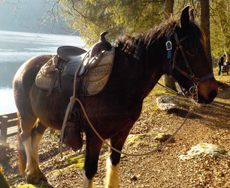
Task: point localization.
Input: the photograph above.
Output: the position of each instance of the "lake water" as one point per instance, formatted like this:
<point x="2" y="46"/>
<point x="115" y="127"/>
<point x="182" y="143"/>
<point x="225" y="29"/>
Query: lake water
<point x="18" y="47"/>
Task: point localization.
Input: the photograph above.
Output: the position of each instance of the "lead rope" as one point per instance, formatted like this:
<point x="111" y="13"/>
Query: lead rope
<point x="73" y="98"/>
<point x="192" y="90"/>
<point x="72" y="101"/>
<point x="70" y="105"/>
<point x="173" y="91"/>
<point x="142" y="154"/>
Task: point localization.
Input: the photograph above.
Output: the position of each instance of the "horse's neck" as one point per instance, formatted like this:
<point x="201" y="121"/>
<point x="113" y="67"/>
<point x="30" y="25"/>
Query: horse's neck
<point x="148" y="70"/>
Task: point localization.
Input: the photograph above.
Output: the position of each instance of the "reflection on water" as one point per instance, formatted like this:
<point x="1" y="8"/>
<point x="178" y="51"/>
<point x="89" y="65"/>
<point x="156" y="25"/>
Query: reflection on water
<point x="18" y="47"/>
<point x="7" y="101"/>
<point x="7" y="72"/>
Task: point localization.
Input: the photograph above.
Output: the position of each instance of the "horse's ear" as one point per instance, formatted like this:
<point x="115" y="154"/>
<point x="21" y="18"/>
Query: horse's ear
<point x="191" y="14"/>
<point x="184" y="19"/>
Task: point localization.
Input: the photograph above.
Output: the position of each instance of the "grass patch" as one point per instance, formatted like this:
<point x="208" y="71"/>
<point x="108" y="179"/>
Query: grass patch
<point x="139" y="139"/>
<point x="29" y="186"/>
<point x="77" y="160"/>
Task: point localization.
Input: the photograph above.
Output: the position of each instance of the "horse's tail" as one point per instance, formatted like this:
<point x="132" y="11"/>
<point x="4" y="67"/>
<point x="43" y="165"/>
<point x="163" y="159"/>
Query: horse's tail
<point x="21" y="154"/>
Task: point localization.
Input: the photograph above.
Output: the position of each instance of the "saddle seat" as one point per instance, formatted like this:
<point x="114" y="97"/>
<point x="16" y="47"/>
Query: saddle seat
<point x="68" y="53"/>
<point x="74" y="56"/>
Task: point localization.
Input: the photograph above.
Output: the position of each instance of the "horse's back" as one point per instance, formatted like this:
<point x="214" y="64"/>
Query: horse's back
<point x="32" y="100"/>
<point x="29" y="69"/>
<point x="23" y="81"/>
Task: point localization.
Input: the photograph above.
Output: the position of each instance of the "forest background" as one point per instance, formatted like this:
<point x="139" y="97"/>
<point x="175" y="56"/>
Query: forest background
<point x="88" y="18"/>
<point x="92" y="17"/>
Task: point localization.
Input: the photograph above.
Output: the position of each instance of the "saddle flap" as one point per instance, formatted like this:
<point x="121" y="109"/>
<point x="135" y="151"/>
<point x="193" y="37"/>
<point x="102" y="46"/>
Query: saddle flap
<point x="68" y="53"/>
<point x="98" y="75"/>
<point x="46" y="74"/>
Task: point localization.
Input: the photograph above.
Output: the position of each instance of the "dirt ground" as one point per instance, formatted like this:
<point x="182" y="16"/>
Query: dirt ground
<point x="208" y="124"/>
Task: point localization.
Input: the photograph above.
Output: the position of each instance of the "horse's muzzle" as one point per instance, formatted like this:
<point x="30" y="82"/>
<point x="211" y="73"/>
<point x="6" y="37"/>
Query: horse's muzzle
<point x="211" y="97"/>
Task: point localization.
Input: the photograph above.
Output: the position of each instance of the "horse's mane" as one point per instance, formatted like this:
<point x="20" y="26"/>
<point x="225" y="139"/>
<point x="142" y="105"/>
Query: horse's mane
<point x="136" y="43"/>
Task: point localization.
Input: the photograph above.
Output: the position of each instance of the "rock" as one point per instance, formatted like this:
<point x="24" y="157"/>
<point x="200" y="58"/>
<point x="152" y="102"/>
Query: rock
<point x="134" y="178"/>
<point x="162" y="137"/>
<point x="165" y="99"/>
<point x="203" y="149"/>
<point x="166" y="102"/>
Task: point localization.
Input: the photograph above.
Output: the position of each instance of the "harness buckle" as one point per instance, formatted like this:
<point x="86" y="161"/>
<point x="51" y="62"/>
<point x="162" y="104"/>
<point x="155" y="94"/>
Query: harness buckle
<point x="194" y="92"/>
<point x="195" y="79"/>
<point x="168" y="45"/>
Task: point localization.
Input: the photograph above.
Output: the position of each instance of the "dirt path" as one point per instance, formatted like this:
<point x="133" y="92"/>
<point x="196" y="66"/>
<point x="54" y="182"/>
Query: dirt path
<point x="209" y="123"/>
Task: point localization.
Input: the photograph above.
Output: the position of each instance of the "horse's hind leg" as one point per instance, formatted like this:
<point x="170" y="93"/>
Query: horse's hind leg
<point x="36" y="136"/>
<point x="26" y="123"/>
<point x="30" y="136"/>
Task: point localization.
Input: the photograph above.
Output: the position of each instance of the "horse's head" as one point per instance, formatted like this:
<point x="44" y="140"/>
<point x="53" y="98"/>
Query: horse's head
<point x="189" y="64"/>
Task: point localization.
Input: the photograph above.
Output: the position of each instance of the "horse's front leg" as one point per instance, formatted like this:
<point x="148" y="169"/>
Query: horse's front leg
<point x="93" y="147"/>
<point x="113" y="162"/>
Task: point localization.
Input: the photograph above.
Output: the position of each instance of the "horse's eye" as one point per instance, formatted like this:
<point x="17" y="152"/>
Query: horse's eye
<point x="192" y="52"/>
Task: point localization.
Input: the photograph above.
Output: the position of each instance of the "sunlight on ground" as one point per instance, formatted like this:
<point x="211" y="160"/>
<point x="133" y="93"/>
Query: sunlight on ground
<point x="224" y="77"/>
<point x="28" y="186"/>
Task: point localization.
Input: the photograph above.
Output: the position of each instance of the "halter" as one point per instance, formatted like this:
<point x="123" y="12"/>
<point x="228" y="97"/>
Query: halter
<point x="191" y="76"/>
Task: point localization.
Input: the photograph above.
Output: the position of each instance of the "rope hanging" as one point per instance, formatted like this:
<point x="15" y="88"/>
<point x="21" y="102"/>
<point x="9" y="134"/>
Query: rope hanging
<point x="73" y="99"/>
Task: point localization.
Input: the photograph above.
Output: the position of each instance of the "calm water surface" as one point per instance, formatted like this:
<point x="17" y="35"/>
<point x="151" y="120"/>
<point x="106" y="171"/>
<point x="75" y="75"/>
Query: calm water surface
<point x="18" y="47"/>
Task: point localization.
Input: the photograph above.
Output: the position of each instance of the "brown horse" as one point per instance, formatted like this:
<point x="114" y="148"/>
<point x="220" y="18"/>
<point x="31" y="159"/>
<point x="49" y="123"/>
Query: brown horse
<point x="139" y="63"/>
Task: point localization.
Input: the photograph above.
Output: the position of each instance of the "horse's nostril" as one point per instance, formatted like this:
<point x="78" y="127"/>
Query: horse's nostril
<point x="212" y="95"/>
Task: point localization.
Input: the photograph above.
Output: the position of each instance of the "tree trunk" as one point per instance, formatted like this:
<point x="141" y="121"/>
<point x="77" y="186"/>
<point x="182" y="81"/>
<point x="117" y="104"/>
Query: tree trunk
<point x="169" y="80"/>
<point x="205" y="25"/>
<point x="169" y="6"/>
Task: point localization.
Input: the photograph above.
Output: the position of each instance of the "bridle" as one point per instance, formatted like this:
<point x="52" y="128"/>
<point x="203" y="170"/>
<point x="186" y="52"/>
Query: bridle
<point x="193" y="90"/>
<point x="191" y="76"/>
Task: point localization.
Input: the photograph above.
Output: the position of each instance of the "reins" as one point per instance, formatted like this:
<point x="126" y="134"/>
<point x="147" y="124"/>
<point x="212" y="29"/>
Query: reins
<point x="73" y="99"/>
<point x="157" y="148"/>
<point x="172" y="65"/>
<point x="193" y="91"/>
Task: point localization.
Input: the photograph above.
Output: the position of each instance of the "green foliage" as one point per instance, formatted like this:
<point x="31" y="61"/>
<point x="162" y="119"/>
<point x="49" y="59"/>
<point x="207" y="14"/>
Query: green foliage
<point x="220" y="31"/>
<point x="92" y="17"/>
<point x="116" y="16"/>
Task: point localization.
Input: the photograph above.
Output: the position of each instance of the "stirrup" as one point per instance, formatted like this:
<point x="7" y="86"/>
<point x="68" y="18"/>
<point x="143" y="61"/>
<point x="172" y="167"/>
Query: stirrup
<point x="72" y="136"/>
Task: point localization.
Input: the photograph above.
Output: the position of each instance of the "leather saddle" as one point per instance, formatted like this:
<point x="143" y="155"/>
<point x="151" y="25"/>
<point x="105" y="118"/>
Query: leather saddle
<point x="79" y="62"/>
<point x="71" y="59"/>
<point x="74" y="56"/>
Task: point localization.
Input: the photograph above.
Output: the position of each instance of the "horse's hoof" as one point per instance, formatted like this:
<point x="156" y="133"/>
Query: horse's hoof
<point x="36" y="178"/>
<point x="45" y="184"/>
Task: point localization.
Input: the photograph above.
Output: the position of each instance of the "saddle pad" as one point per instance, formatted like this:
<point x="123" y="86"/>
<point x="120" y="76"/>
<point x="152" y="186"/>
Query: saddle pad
<point x="96" y="78"/>
<point x="93" y="81"/>
<point x="46" y="74"/>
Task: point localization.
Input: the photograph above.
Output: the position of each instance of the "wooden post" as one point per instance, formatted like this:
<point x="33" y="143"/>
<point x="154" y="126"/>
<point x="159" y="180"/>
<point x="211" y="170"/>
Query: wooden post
<point x="3" y="144"/>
